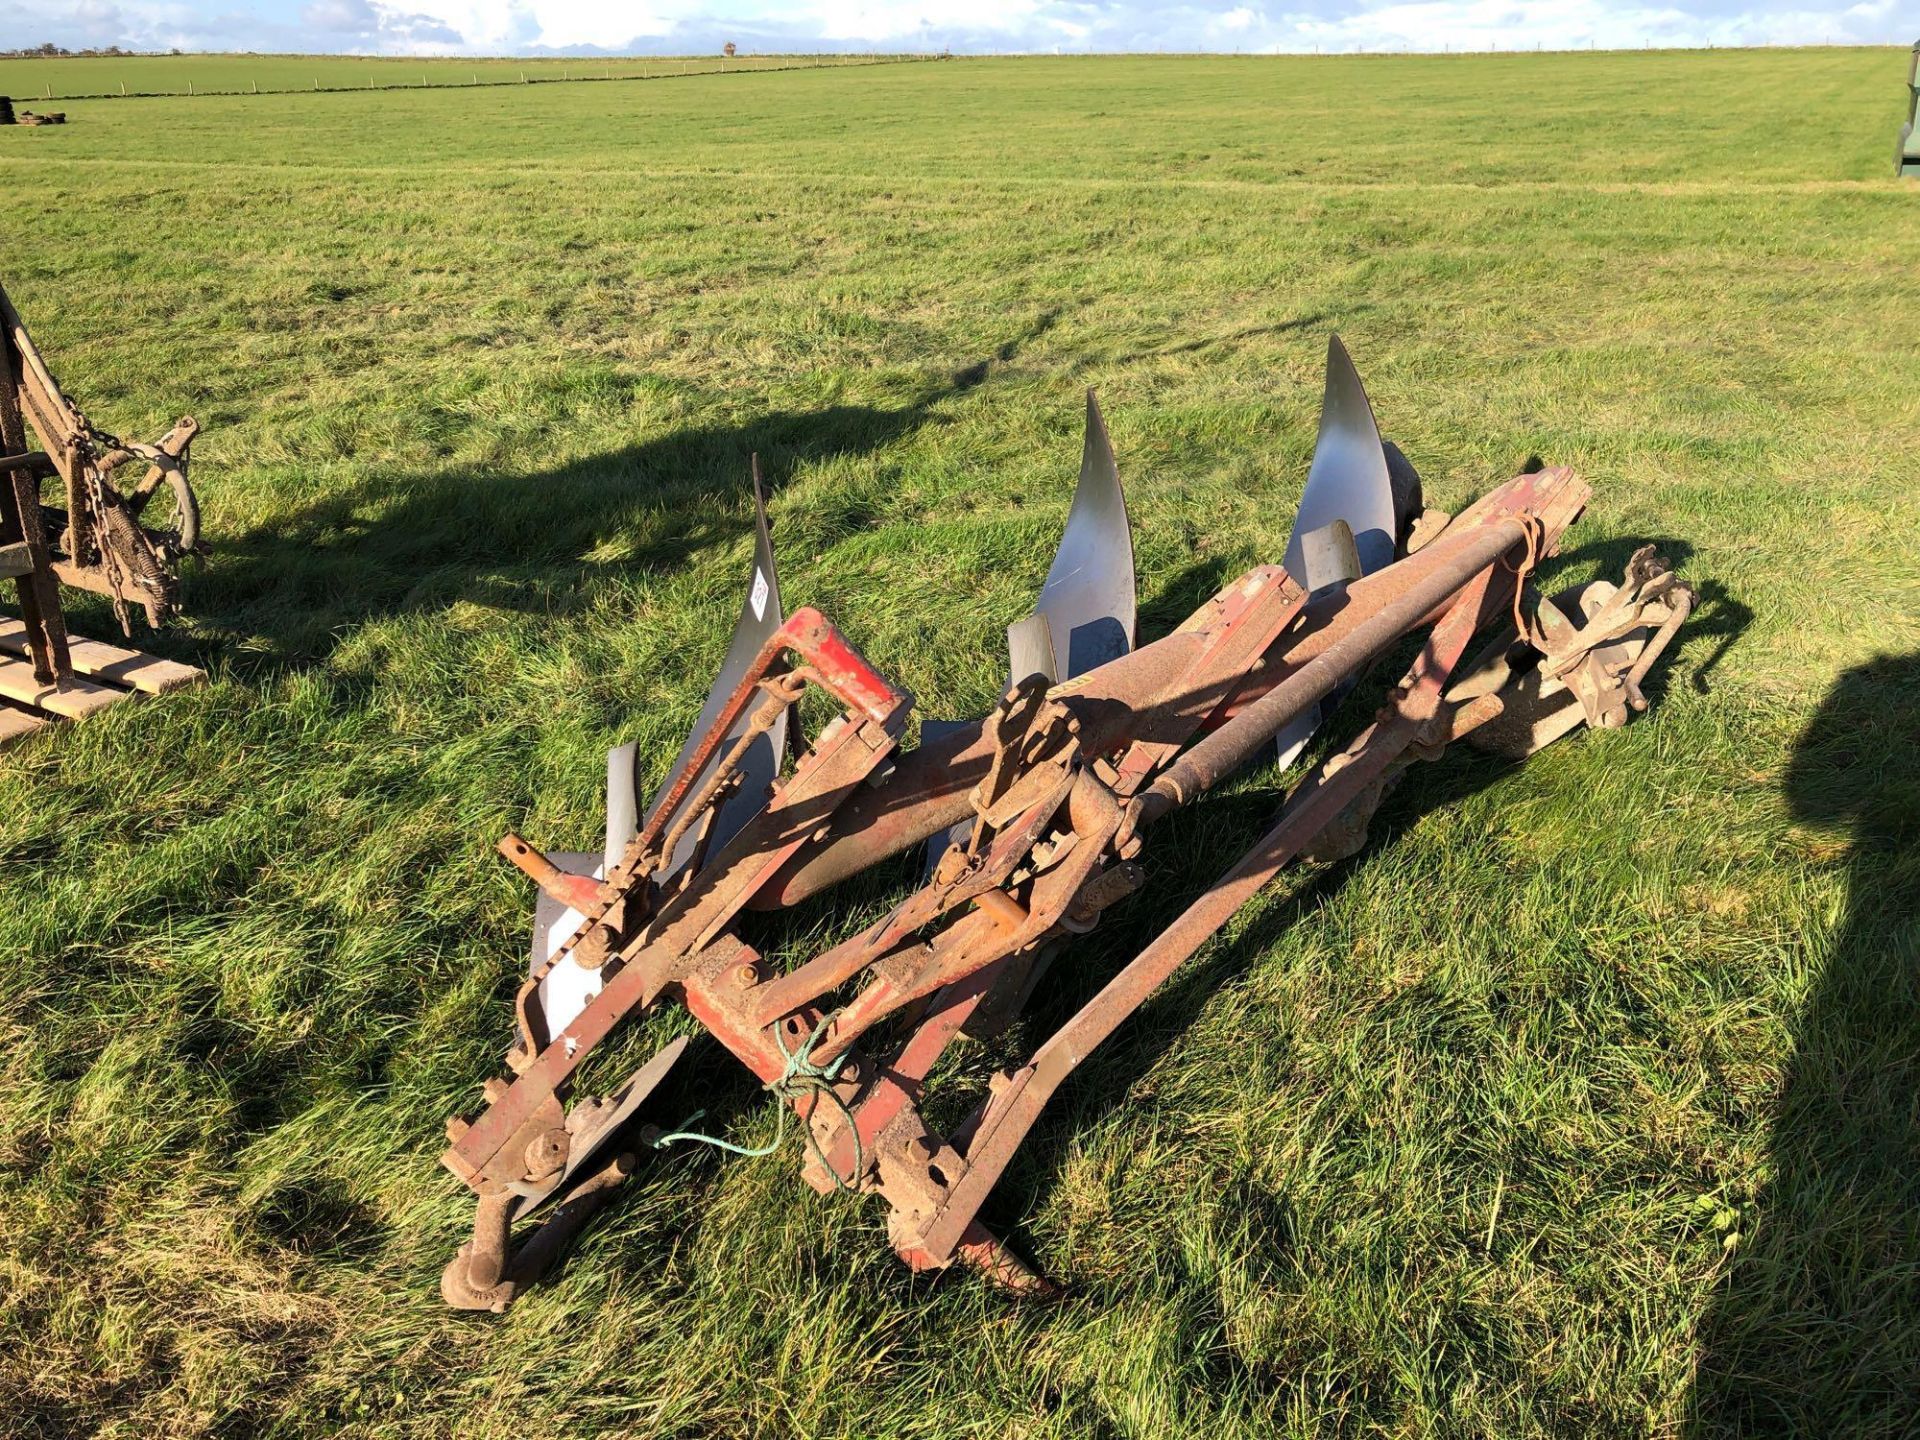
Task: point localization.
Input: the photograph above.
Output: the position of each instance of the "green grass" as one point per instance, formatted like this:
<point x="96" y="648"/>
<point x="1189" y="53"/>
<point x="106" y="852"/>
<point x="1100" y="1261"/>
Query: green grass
<point x="141" y="75"/>
<point x="1580" y="1104"/>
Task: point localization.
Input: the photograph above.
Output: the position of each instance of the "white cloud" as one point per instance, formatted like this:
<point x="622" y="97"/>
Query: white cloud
<point x="370" y="25"/>
<point x="563" y="23"/>
<point x="480" y="24"/>
<point x="682" y="26"/>
<point x="1566" y="25"/>
<point x="878" y="21"/>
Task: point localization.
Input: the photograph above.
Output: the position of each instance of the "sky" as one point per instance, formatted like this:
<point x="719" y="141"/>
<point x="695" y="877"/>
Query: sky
<point x="681" y="27"/>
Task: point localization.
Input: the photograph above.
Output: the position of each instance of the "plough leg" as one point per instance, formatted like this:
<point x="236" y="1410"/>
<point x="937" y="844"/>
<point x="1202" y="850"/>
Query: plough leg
<point x="482" y="1277"/>
<point x="20" y="524"/>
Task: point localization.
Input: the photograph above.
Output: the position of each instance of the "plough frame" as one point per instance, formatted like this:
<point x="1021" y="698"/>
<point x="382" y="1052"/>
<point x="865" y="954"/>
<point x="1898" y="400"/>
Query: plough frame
<point x="1055" y="794"/>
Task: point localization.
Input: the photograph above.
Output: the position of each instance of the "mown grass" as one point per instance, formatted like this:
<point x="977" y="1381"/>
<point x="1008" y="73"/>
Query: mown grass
<point x="63" y="78"/>
<point x="1581" y="1104"/>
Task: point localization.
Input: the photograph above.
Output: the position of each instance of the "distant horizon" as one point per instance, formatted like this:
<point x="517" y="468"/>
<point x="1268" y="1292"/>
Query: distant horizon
<point x="603" y="29"/>
<point x="745" y="52"/>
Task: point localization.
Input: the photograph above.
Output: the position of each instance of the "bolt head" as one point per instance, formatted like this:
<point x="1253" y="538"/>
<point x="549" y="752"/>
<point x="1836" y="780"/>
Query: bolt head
<point x="545" y="1154"/>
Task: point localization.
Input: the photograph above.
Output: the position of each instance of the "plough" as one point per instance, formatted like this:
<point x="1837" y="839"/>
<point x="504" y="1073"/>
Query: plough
<point x="96" y="541"/>
<point x="1038" y="819"/>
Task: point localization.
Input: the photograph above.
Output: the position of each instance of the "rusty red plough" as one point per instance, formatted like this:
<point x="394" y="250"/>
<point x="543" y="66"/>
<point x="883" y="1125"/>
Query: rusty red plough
<point x="101" y="539"/>
<point x="1040" y="817"/>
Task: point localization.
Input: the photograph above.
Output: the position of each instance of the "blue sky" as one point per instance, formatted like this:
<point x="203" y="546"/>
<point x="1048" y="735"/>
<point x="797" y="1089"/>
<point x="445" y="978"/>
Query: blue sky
<point x="500" y="27"/>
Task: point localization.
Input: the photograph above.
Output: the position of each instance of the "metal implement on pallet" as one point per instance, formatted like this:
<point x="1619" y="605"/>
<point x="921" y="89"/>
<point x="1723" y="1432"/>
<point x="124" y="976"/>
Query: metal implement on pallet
<point x="100" y="539"/>
<point x="27" y="117"/>
<point x="1056" y="796"/>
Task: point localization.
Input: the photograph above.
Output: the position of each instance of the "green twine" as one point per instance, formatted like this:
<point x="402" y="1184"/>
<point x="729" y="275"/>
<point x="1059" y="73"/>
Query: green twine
<point x="799" y="1077"/>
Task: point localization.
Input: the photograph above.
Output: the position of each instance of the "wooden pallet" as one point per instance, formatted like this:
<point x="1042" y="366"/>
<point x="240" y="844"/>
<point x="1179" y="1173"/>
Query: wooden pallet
<point x="103" y="675"/>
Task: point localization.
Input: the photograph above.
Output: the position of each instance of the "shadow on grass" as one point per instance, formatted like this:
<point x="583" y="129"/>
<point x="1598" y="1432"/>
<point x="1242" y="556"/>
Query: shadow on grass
<point x="1234" y="339"/>
<point x="1719" y="621"/>
<point x="1717" y="615"/>
<point x="291" y="589"/>
<point x="1224" y="825"/>
<point x="287" y="592"/>
<point x="1178" y="1005"/>
<point x="1817" y="1328"/>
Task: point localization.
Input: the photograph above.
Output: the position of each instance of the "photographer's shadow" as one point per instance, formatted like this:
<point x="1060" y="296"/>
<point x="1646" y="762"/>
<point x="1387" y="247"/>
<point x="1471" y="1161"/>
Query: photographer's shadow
<point x="1817" y="1331"/>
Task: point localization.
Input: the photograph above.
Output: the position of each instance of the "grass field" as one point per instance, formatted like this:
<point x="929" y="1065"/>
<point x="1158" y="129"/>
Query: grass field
<point x="61" y="78"/>
<point x="1581" y="1104"/>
